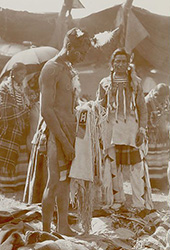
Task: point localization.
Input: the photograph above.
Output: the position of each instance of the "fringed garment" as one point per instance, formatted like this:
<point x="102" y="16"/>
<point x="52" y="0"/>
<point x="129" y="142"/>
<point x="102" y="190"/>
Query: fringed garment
<point x="86" y="167"/>
<point x="37" y="167"/>
<point x="14" y="114"/>
<point x="125" y="111"/>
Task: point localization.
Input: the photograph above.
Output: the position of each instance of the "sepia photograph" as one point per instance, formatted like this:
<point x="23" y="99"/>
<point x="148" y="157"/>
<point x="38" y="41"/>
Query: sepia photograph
<point x="85" y="125"/>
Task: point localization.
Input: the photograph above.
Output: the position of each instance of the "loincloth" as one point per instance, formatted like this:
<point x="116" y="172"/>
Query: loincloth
<point x="55" y="151"/>
<point x="127" y="155"/>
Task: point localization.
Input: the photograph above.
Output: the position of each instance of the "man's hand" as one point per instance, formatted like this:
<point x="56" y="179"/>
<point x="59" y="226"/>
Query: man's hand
<point x="154" y="118"/>
<point x="140" y="137"/>
<point x="69" y="151"/>
<point x="135" y="78"/>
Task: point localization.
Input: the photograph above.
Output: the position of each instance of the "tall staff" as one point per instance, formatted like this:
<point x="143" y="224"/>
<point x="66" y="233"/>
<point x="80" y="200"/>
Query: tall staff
<point x="125" y="13"/>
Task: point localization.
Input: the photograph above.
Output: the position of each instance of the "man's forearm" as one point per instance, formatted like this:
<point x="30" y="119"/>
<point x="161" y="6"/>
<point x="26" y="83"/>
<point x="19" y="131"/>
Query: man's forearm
<point x="142" y="109"/>
<point x="54" y="126"/>
<point x="143" y="119"/>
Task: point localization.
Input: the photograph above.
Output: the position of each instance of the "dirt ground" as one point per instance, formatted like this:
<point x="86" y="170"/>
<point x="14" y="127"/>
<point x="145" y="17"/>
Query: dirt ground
<point x="161" y="198"/>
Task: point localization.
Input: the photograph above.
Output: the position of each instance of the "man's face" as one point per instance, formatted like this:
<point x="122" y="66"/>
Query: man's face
<point x="19" y="75"/>
<point x="77" y="55"/>
<point x="163" y="101"/>
<point x="33" y="82"/>
<point x="120" y="64"/>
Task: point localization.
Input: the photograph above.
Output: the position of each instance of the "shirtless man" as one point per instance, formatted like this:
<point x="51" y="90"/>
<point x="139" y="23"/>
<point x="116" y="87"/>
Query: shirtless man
<point x="59" y="87"/>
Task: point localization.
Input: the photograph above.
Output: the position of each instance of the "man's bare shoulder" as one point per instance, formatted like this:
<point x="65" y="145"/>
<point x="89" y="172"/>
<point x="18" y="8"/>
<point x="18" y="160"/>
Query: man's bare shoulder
<point x="51" y="72"/>
<point x="52" y="67"/>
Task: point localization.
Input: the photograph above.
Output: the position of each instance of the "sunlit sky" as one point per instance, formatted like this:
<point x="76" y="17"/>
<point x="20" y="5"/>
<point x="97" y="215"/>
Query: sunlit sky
<point x="161" y="7"/>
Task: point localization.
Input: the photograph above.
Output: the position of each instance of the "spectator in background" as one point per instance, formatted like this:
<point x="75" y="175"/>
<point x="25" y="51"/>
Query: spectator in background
<point x="14" y="122"/>
<point x="34" y="184"/>
<point x="32" y="92"/>
<point x="158" y="133"/>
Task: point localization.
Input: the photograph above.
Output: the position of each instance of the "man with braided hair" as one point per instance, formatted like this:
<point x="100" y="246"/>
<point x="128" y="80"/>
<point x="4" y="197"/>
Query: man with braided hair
<point x="125" y="122"/>
<point x="60" y="87"/>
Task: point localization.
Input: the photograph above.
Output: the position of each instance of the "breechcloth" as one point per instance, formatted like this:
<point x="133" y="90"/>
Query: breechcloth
<point x="58" y="167"/>
<point x="127" y="155"/>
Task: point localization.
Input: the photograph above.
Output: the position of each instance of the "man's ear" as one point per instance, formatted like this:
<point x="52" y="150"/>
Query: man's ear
<point x="68" y="46"/>
<point x="156" y="95"/>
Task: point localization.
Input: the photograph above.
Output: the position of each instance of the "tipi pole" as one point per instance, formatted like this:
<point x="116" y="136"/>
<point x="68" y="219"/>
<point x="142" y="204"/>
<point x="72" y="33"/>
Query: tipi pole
<point x="126" y="7"/>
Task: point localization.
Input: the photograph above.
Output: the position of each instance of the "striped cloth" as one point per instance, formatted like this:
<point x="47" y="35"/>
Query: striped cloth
<point x="16" y="179"/>
<point x="158" y="157"/>
<point x="158" y="135"/>
<point x="127" y="155"/>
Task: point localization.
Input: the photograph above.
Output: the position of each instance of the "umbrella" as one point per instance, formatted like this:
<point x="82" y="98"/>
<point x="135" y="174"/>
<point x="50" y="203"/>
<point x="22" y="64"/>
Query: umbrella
<point x="10" y="49"/>
<point x="33" y="58"/>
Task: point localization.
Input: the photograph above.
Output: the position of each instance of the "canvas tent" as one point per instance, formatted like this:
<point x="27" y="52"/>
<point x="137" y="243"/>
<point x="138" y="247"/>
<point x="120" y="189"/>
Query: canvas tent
<point x="155" y="48"/>
<point x="17" y="26"/>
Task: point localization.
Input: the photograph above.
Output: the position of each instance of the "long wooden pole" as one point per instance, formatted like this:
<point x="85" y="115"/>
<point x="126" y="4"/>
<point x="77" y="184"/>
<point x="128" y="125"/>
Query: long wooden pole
<point x="126" y="8"/>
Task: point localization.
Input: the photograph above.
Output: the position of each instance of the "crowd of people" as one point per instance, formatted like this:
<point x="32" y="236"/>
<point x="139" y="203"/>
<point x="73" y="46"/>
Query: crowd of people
<point x="40" y="112"/>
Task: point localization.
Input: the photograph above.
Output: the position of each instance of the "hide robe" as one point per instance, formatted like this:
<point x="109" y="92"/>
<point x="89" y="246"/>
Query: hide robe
<point x="86" y="166"/>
